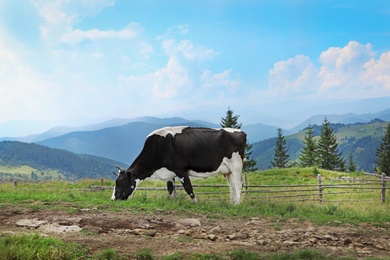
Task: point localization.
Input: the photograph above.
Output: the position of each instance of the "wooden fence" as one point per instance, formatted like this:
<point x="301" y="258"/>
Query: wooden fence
<point x="329" y="190"/>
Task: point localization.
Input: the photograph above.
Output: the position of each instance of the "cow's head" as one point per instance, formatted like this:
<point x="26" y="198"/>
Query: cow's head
<point x="125" y="184"/>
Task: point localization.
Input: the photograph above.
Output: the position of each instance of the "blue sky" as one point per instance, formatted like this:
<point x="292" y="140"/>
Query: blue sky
<point x="99" y="59"/>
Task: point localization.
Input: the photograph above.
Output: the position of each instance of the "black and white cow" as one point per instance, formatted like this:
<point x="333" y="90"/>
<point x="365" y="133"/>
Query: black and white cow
<point x="183" y="152"/>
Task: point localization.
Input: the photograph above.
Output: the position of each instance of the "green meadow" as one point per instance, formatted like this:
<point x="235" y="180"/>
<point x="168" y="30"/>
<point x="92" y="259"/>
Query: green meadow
<point x="344" y="205"/>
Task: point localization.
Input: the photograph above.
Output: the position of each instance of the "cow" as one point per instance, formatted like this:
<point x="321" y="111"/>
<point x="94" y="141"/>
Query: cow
<point x="185" y="152"/>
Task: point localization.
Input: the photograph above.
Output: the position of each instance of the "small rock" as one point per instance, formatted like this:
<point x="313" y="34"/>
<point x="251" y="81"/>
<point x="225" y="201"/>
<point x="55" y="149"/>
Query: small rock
<point x="216" y="229"/>
<point x="231" y="237"/>
<point x="380" y="247"/>
<point x="56" y="228"/>
<point x="212" y="237"/>
<point x="184" y="232"/>
<point x="144" y="232"/>
<point x="30" y="223"/>
<point x="193" y="222"/>
<point x="290" y="243"/>
<point x="313" y="240"/>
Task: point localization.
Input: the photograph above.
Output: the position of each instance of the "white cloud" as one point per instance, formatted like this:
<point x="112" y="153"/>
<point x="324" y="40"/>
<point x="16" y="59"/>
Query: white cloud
<point x="293" y="76"/>
<point x="222" y="82"/>
<point x="188" y="50"/>
<point x="342" y="67"/>
<point x="377" y="73"/>
<point x="348" y="72"/>
<point x="76" y="36"/>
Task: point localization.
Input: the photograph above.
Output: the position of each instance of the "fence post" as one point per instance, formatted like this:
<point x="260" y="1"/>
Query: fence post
<point x="15" y="183"/>
<point x="246" y="185"/>
<point x="383" y="195"/>
<point x="102" y="182"/>
<point x="319" y="188"/>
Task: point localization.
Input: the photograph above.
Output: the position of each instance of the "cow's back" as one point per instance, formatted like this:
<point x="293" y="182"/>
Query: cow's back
<point x="203" y="149"/>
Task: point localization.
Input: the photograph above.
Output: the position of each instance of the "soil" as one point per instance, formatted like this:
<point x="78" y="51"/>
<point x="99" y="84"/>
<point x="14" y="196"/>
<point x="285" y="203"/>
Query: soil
<point x="166" y="233"/>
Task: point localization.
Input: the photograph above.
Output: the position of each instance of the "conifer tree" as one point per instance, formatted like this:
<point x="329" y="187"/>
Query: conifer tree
<point x="308" y="155"/>
<point x="328" y="155"/>
<point x="249" y="164"/>
<point x="281" y="156"/>
<point x="231" y="120"/>
<point x="383" y="153"/>
<point x="351" y="164"/>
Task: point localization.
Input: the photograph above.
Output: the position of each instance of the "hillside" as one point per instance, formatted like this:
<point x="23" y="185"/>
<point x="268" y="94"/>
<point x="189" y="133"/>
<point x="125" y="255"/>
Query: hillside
<point x="121" y="143"/>
<point x="31" y="161"/>
<point x="359" y="139"/>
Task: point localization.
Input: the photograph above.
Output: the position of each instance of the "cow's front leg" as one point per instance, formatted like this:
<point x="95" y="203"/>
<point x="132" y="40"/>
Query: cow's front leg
<point x="188" y="187"/>
<point x="171" y="188"/>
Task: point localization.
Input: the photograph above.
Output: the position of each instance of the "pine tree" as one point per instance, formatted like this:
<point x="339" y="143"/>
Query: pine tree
<point x="249" y="165"/>
<point x="281" y="156"/>
<point x="308" y="155"/>
<point x="328" y="155"/>
<point x="383" y="153"/>
<point x="230" y="120"/>
<point x="351" y="164"/>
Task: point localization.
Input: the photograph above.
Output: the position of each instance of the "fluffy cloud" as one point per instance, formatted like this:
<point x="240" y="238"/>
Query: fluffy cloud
<point x="351" y="71"/>
<point x="188" y="50"/>
<point x="292" y="76"/>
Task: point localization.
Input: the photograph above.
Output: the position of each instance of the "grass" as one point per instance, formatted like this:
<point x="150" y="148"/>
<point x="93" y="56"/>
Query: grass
<point x="73" y="196"/>
<point x="31" y="247"/>
<point x="36" y="247"/>
<point x="6" y="172"/>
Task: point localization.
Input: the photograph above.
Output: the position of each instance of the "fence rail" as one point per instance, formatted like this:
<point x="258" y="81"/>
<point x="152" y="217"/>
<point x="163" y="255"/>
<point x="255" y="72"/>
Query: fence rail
<point x="296" y="192"/>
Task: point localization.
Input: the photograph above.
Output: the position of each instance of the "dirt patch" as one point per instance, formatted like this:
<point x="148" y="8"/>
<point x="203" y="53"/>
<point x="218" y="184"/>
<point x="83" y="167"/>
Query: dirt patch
<point x="166" y="233"/>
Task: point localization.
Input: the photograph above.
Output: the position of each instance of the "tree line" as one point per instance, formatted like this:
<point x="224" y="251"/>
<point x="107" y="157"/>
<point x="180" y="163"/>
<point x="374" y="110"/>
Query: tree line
<point x="322" y="152"/>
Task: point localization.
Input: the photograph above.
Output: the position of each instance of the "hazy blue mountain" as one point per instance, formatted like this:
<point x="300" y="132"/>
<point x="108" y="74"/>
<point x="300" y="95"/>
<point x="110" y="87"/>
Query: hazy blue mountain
<point x="258" y="132"/>
<point x="349" y="118"/>
<point x="121" y="143"/>
<point x="45" y="160"/>
<point x="62" y="130"/>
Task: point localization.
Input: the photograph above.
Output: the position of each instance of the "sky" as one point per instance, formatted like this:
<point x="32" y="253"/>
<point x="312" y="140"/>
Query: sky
<point x="88" y="60"/>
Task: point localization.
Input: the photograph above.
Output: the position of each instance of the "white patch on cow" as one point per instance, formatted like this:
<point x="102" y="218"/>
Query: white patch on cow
<point x="173" y="130"/>
<point x="233" y="169"/>
<point x="137" y="182"/>
<point x="163" y="174"/>
<point x="232" y="130"/>
<point x="113" y="194"/>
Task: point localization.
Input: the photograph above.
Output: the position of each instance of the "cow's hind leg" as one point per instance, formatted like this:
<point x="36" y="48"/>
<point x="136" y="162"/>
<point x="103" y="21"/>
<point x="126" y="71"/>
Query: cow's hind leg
<point x="188" y="187"/>
<point x="171" y="188"/>
<point x="235" y="178"/>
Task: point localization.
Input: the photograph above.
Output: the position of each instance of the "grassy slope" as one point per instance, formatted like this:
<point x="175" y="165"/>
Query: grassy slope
<point x="24" y="172"/>
<point x="357" y="131"/>
<point x="74" y="197"/>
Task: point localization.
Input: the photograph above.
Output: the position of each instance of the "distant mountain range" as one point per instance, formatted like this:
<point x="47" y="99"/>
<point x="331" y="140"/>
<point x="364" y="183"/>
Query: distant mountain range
<point x="359" y="139"/>
<point x="120" y="140"/>
<point x="349" y="118"/>
<point x="269" y="115"/>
